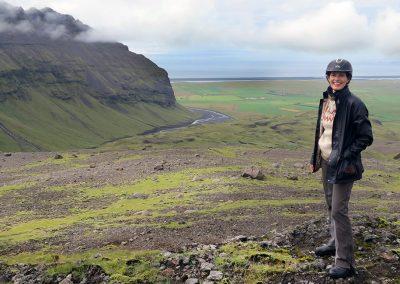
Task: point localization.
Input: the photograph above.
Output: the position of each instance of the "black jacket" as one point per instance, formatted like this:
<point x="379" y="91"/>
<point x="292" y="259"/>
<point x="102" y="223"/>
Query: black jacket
<point x="351" y="133"/>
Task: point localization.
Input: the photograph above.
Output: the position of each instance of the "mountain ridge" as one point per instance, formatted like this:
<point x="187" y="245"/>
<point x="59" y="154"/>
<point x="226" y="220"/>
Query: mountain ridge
<point x="62" y="92"/>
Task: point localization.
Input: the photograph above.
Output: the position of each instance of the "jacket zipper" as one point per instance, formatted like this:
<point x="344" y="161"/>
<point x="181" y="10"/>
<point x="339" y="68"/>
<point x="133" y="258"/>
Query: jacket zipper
<point x="337" y="102"/>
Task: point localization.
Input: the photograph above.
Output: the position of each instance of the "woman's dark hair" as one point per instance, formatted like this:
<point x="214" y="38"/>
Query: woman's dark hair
<point x="348" y="74"/>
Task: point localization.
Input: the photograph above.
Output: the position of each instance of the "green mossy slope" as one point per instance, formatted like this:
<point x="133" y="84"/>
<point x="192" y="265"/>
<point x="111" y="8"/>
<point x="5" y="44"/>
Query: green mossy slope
<point x="57" y="95"/>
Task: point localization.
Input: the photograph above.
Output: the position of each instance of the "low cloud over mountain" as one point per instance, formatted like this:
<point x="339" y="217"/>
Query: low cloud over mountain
<point x="44" y="22"/>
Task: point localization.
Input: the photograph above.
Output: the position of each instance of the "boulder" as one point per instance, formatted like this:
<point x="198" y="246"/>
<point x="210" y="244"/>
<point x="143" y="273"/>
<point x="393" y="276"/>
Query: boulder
<point x="239" y="238"/>
<point x="67" y="280"/>
<point x="215" y="275"/>
<point x="253" y="173"/>
<point x="299" y="165"/>
<point x="276" y="165"/>
<point x="292" y="177"/>
<point x="159" y="167"/>
<point x="206" y="266"/>
<point x="138" y="196"/>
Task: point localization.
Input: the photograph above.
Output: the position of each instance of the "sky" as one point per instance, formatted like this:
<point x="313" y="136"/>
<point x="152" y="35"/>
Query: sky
<point x="238" y="38"/>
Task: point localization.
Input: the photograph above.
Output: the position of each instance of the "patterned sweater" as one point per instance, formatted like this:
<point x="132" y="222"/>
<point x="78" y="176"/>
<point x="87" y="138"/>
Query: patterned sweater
<point x="328" y="115"/>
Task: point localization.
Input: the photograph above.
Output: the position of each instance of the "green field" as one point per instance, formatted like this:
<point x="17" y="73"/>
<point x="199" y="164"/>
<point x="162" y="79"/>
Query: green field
<point x="286" y="98"/>
<point x="274" y="114"/>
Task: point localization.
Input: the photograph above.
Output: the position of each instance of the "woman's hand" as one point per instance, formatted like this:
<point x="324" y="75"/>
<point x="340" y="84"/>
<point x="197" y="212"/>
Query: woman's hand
<point x="311" y="167"/>
<point x="350" y="170"/>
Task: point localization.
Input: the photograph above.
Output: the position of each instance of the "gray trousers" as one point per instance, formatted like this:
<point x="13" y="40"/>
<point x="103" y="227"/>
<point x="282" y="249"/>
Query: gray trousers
<point x="337" y="199"/>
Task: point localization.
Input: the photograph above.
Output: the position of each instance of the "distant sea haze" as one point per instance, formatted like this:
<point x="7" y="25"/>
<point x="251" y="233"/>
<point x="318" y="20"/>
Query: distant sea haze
<point x="225" y="79"/>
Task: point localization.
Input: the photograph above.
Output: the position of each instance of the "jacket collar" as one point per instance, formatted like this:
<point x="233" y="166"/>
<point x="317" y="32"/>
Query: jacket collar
<point x="345" y="92"/>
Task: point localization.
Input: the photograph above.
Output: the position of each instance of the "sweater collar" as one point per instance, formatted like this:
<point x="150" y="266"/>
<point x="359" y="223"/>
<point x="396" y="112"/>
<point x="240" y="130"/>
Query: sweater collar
<point x="338" y="94"/>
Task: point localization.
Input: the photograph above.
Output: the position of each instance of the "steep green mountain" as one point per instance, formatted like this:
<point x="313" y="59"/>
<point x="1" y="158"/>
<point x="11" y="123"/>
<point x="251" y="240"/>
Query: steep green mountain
<point x="58" y="91"/>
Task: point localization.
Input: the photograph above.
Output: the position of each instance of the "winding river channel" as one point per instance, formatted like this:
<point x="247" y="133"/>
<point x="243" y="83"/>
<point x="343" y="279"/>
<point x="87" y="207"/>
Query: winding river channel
<point x="207" y="116"/>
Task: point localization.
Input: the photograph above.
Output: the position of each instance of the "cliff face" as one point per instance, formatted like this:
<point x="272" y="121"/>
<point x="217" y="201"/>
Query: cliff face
<point x="107" y="71"/>
<point x="48" y="71"/>
<point x="48" y="49"/>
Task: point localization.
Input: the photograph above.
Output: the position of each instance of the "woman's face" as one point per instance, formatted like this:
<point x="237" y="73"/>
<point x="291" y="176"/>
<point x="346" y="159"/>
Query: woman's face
<point x="337" y="80"/>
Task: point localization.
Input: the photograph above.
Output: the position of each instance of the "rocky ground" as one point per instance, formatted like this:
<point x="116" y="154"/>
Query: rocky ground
<point x="285" y="257"/>
<point x="64" y="218"/>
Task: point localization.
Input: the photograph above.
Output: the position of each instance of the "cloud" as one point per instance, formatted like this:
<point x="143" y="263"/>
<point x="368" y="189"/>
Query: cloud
<point x="44" y="22"/>
<point x="323" y="27"/>
<point x="335" y="27"/>
<point x="386" y="32"/>
<point x="23" y="27"/>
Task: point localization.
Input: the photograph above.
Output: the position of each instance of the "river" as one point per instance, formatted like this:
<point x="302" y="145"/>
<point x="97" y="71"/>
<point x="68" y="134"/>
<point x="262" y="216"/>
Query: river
<point x="208" y="116"/>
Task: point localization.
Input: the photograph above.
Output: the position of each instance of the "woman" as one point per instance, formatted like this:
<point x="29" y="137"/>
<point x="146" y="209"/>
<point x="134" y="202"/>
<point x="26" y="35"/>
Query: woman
<point x="342" y="132"/>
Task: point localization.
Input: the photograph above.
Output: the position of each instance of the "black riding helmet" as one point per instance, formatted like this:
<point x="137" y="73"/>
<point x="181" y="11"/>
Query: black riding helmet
<point x="340" y="65"/>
